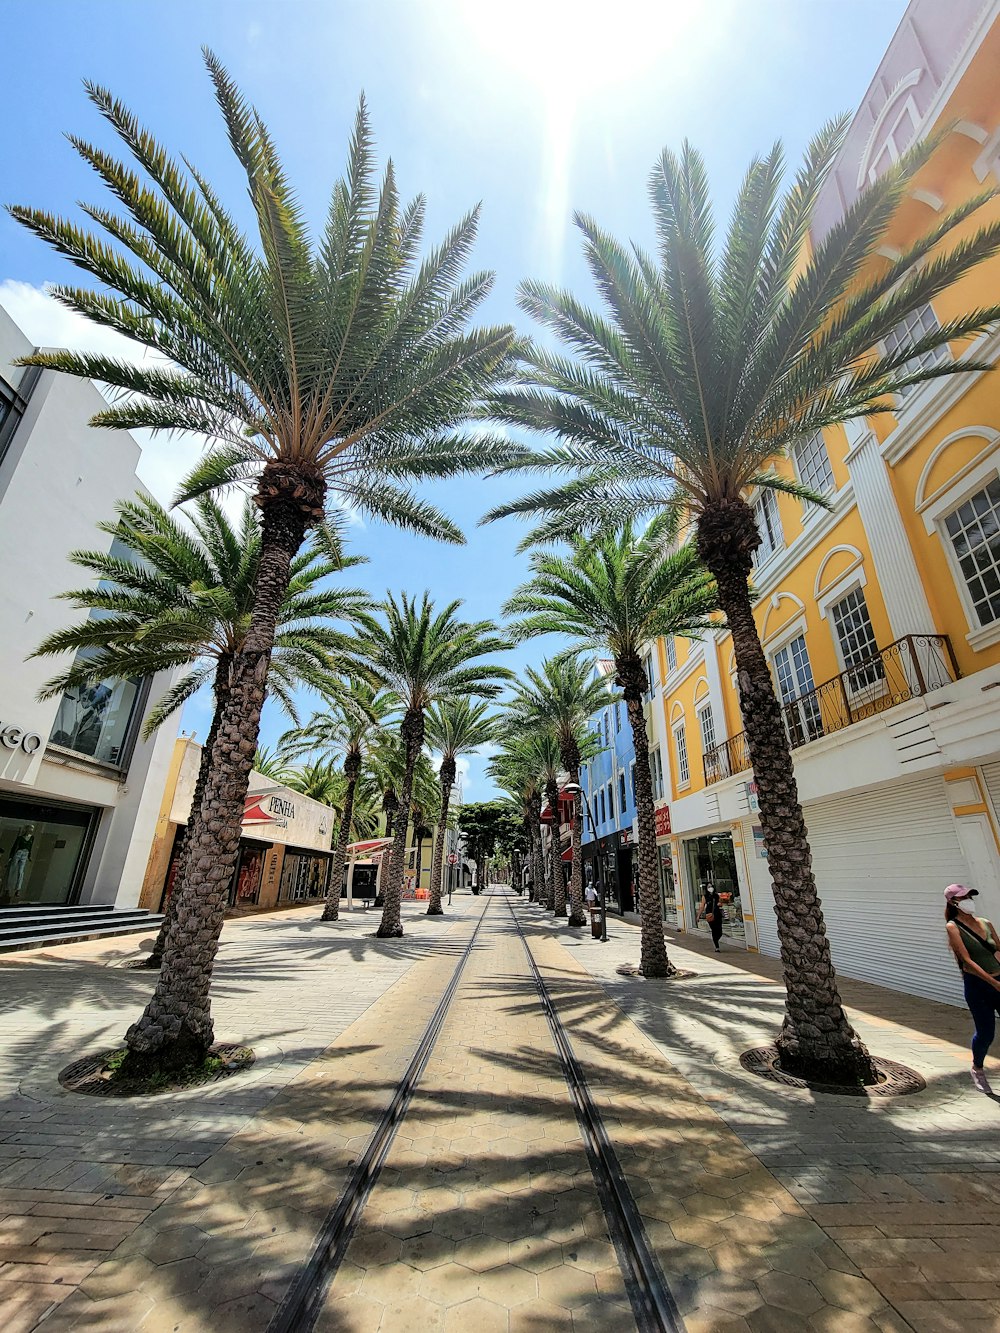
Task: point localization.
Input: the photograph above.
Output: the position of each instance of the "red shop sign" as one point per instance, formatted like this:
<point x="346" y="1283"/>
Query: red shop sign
<point x="662" y="821"/>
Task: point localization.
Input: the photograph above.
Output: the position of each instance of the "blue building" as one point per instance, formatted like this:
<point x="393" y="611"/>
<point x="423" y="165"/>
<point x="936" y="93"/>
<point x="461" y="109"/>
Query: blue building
<point x="609" y="849"/>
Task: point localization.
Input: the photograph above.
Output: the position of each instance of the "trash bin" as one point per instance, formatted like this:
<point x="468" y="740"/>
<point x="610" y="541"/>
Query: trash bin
<point x="595" y="922"/>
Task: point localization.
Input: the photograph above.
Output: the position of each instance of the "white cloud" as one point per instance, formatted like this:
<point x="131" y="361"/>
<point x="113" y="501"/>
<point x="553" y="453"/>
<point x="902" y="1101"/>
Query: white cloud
<point x="165" y="459"/>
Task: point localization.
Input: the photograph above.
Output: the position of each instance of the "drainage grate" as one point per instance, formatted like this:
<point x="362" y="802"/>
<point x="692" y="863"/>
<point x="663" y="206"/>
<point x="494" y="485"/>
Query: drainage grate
<point x="894" y="1080"/>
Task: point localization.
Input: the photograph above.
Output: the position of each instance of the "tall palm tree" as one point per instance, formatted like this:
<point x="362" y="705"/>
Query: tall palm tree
<point x="175" y="592"/>
<point x="454" y="727"/>
<point x="348" y="726"/>
<point x="424" y="656"/>
<point x="561" y="698"/>
<point x="614" y="593"/>
<point x="319" y="368"/>
<point x="713" y="361"/>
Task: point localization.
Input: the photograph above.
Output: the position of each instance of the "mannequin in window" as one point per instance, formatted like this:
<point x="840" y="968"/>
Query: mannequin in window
<point x="17" y="861"/>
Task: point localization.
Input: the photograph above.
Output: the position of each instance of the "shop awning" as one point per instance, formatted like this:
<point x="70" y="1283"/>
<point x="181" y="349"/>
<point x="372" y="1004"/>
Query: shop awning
<point x="568" y="854"/>
<point x="372" y="845"/>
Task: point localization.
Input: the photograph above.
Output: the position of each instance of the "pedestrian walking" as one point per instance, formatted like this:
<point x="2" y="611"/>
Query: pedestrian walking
<point x="974" y="942"/>
<point x="590" y="893"/>
<point x="711" y="911"/>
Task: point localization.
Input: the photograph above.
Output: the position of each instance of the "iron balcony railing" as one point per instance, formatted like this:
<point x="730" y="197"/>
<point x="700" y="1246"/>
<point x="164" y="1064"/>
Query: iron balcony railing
<point x="907" y="669"/>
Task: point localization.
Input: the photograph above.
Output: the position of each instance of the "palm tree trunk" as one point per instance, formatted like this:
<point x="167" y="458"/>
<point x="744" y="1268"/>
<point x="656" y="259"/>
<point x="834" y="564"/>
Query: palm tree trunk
<point x="535" y="834"/>
<point x="446" y="778"/>
<point x="577" y="916"/>
<point x="816" y="1040"/>
<point x="220" y="689"/>
<point x="331" y="908"/>
<point x="653" y="960"/>
<point x="412" y="731"/>
<point x="557" y="894"/>
<point x="176" y="1026"/>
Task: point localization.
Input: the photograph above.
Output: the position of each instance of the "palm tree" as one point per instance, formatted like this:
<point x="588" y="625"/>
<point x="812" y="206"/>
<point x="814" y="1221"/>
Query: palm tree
<point x="517" y="769"/>
<point x="454" y="727"/>
<point x="614" y="593"/>
<point x="175" y="592"/>
<point x="338" y="367"/>
<point x="713" y="362"/>
<point x="424" y="656"/>
<point x="347" y="727"/>
<point x="321" y="781"/>
<point x="561" y="698"/>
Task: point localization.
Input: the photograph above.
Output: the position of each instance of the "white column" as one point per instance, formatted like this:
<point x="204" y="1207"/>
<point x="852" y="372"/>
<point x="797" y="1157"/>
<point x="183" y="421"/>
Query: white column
<point x="898" y="577"/>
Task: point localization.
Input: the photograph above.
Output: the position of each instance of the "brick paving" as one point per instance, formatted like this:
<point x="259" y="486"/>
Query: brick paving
<point x="769" y="1208"/>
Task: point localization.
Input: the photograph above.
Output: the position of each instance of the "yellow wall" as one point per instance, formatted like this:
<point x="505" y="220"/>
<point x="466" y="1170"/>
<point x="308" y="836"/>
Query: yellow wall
<point x="163" y="837"/>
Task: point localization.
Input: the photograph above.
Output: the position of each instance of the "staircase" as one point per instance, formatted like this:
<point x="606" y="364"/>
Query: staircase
<point x="32" y="927"/>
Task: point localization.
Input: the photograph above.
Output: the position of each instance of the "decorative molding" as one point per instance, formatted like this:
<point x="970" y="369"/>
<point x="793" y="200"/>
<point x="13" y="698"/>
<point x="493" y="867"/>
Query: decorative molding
<point x="676" y="714"/>
<point x="855" y="577"/>
<point x="851" y="550"/>
<point x="970" y="131"/>
<point x="907" y="81"/>
<point x="694" y="659"/>
<point x="889" y="252"/>
<point x="989" y="159"/>
<point x="699" y="698"/>
<point x="983" y="638"/>
<point x="992" y="437"/>
<point x="776" y="600"/>
<point x="933" y="201"/>
<point x="842" y="502"/>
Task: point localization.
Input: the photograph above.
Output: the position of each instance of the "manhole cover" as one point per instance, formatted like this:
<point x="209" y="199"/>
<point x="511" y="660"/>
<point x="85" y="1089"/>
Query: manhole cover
<point x="630" y="970"/>
<point x="894" y="1080"/>
<point x="92" y="1075"/>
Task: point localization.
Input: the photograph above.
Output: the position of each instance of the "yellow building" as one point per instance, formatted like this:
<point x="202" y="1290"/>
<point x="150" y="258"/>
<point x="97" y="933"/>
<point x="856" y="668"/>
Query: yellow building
<point x="881" y="617"/>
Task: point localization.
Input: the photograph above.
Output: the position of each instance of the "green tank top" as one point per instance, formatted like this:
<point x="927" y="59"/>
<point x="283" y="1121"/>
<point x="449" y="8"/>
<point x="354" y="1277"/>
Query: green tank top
<point x="981" y="951"/>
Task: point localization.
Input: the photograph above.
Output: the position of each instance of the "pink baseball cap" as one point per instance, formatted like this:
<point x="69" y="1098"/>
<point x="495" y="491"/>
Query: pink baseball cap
<point x="956" y="891"/>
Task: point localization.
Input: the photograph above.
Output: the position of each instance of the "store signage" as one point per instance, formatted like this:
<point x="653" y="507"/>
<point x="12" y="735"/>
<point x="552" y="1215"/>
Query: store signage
<point x="759" y="846"/>
<point x="13" y="737"/>
<point x="661" y="820"/>
<point x="452" y="859"/>
<point x="625" y="837"/>
<point x="753" y="804"/>
<point x="264" y="808"/>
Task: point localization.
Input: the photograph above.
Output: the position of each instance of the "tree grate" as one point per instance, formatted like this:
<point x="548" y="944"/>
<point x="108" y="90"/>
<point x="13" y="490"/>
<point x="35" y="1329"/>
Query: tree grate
<point x="91" y="1076"/>
<point x="630" y="970"/>
<point x="894" y="1080"/>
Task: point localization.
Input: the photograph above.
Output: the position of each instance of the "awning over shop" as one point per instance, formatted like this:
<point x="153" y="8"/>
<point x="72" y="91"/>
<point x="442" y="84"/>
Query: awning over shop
<point x="372" y="849"/>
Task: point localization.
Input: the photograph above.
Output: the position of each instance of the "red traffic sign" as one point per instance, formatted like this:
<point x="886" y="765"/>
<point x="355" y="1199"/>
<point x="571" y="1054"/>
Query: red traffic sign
<point x="453" y="858"/>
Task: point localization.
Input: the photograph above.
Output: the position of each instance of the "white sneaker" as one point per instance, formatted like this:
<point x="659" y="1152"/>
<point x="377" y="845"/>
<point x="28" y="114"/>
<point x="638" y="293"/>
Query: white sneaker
<point x="980" y="1082"/>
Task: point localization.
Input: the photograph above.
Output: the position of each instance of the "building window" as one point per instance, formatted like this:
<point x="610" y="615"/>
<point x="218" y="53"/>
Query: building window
<point x="618" y="717"/>
<point x="812" y="463"/>
<point x="671" y="655"/>
<point x="707" y="723"/>
<point x="631" y="770"/>
<point x="856" y="638"/>
<point x="611" y="800"/>
<point x="915" y="326"/>
<point x="622" y="793"/>
<point x="974" y="531"/>
<point x="898" y="137"/>
<point x="647" y="666"/>
<point x="656" y="772"/>
<point x="602" y="812"/>
<point x="95" y="720"/>
<point x="765" y="513"/>
<point x="681" y="746"/>
<point x="796" y="687"/>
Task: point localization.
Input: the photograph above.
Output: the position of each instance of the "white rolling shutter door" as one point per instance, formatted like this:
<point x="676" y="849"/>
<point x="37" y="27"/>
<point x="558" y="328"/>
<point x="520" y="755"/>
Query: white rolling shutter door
<point x="882" y="859"/>
<point x="991" y="772"/>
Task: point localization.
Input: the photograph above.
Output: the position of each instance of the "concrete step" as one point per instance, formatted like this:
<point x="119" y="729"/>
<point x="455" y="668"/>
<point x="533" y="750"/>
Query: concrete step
<point x="33" y="929"/>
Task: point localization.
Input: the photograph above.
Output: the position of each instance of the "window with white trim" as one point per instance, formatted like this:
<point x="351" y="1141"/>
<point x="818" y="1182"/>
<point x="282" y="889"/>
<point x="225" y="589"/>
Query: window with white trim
<point x="812" y="463"/>
<point x="618" y="717"/>
<point x="765" y="515"/>
<point x="611" y="800"/>
<point x="622" y="792"/>
<point x="796" y="686"/>
<point x="631" y="773"/>
<point x="898" y="137"/>
<point x="656" y="772"/>
<point x="681" y="749"/>
<point x="650" y="670"/>
<point x="856" y="638"/>
<point x="671" y="655"/>
<point x="603" y="810"/>
<point x="911" y="329"/>
<point x="974" y="532"/>
<point x="707" y="724"/>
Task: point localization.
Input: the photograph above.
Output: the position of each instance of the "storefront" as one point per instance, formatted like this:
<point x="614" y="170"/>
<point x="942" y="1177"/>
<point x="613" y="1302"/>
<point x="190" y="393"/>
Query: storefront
<point x="43" y="850"/>
<point x="710" y="861"/>
<point x="304" y="876"/>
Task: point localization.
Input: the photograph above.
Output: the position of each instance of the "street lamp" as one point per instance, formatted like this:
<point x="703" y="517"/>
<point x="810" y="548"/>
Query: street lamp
<point x="574" y="790"/>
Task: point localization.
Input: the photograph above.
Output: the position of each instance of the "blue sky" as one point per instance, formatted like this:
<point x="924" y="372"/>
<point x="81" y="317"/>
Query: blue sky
<point x="533" y="107"/>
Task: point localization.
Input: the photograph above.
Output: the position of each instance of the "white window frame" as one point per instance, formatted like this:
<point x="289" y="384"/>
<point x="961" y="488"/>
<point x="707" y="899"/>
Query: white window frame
<point x="681" y="754"/>
<point x="611" y="801"/>
<point x="618" y="716"/>
<point x="622" y="791"/>
<point x="603" y="819"/>
<point x="764" y="498"/>
<point x="935" y="511"/>
<point x="942" y="355"/>
<point x="830" y="484"/>
<point x="656" y="771"/>
<point x="887" y="142"/>
<point x="876" y="690"/>
<point x="631" y="782"/>
<point x="702" y="710"/>
<point x="670" y="651"/>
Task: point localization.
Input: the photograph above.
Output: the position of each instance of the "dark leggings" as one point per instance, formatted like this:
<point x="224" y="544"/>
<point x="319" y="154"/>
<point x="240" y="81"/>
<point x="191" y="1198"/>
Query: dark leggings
<point x="716" y="929"/>
<point x="984" y="1005"/>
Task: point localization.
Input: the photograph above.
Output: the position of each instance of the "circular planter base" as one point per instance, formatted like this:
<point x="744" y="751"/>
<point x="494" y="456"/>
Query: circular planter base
<point x="94" y="1075"/>
<point x="630" y="970"/>
<point x="894" y="1080"/>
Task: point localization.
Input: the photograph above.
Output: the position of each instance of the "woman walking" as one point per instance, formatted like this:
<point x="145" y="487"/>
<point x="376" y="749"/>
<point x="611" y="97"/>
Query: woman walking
<point x="711" y="911"/>
<point x="974" y="942"/>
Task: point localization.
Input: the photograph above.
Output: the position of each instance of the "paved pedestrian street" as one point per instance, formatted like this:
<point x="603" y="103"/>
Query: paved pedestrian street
<point x="765" y="1208"/>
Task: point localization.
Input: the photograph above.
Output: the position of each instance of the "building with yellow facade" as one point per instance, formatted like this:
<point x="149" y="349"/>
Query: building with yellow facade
<point x="880" y="617"/>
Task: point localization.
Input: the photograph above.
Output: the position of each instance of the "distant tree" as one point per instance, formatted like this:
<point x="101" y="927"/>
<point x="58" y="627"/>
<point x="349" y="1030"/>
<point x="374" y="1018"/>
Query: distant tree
<point x="484" y="826"/>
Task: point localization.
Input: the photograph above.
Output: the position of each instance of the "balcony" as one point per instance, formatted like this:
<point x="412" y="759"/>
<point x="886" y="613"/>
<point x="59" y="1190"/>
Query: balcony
<point x="907" y="669"/>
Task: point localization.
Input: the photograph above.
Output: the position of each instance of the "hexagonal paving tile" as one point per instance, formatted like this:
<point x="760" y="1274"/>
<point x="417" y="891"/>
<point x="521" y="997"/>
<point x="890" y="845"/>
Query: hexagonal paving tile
<point x="790" y="1293"/>
<point x="540" y="1317"/>
<point x="566" y="1286"/>
<point x="449" y="1284"/>
<point x="427" y="1251"/>
<point x="373" y="1247"/>
<point x="508" y="1285"/>
<point x="389" y="1282"/>
<point x="479" y="1315"/>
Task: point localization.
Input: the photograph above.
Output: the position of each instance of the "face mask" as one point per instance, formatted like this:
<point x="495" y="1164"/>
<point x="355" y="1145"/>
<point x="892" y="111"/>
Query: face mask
<point x="967" y="905"/>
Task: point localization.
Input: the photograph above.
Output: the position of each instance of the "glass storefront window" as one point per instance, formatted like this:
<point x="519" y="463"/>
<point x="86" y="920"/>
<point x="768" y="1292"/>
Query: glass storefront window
<point x="303" y="877"/>
<point x="668" y="889"/>
<point x="41" y="852"/>
<point x="94" y="719"/>
<point x="245" y="889"/>
<point x="712" y="860"/>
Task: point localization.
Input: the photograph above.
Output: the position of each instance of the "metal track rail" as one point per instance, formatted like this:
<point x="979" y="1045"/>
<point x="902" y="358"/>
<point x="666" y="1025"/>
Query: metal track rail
<point x="652" y="1302"/>
<point x="303" y="1301"/>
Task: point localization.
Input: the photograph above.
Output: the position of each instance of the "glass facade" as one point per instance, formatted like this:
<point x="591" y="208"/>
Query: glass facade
<point x="244" y="890"/>
<point x="712" y="860"/>
<point x="668" y="885"/>
<point x="93" y="720"/>
<point x="42" y="851"/>
<point x="304" y="876"/>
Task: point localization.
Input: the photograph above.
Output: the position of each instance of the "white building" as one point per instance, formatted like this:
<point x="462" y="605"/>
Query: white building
<point x="79" y="788"/>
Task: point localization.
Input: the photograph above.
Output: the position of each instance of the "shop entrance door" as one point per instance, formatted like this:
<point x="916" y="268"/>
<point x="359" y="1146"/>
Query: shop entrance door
<point x="42" y="851"/>
<point x="712" y="860"/>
